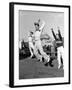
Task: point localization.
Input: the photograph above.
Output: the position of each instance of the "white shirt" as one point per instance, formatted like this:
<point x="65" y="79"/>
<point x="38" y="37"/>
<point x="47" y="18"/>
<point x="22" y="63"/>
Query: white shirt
<point x="38" y="33"/>
<point x="30" y="39"/>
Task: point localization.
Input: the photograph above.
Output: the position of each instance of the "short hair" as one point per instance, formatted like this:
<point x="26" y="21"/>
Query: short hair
<point x="31" y="32"/>
<point x="36" y="24"/>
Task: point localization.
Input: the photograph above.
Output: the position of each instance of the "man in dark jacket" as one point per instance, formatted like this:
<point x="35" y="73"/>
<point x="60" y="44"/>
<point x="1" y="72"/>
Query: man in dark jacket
<point x="59" y="45"/>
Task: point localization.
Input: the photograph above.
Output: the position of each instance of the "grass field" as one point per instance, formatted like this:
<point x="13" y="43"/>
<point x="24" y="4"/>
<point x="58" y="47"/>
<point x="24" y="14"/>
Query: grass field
<point x="31" y="68"/>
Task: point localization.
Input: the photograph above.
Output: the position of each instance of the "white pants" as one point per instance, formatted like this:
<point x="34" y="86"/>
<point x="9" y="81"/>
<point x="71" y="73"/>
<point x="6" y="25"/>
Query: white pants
<point x="60" y="53"/>
<point x="39" y="47"/>
<point x="31" y="48"/>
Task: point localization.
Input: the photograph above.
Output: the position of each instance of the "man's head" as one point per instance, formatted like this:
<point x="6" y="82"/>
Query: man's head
<point x="31" y="33"/>
<point x="57" y="35"/>
<point x="36" y="24"/>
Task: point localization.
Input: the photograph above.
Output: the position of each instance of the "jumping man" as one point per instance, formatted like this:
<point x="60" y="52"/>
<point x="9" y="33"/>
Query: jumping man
<point x="38" y="46"/>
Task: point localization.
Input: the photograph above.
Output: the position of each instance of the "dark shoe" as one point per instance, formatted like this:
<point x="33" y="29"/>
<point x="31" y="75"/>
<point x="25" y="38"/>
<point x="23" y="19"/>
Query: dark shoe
<point x="42" y="59"/>
<point x="33" y="56"/>
<point x="46" y="64"/>
<point x="38" y="60"/>
<point x="51" y="64"/>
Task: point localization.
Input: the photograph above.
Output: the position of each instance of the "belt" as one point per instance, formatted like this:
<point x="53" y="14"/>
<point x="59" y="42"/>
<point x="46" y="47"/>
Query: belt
<point x="37" y="40"/>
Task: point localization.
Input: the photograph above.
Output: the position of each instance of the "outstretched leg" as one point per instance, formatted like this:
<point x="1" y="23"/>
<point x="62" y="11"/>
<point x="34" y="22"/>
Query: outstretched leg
<point x="44" y="55"/>
<point x="31" y="52"/>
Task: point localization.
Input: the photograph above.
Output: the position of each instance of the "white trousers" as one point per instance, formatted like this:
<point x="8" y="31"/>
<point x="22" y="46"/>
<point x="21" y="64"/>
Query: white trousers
<point x="31" y="48"/>
<point x="39" y="47"/>
<point x="60" y="53"/>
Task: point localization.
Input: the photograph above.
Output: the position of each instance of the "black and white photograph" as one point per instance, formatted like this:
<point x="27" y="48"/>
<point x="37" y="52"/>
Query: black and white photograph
<point x="41" y="49"/>
<point x="41" y="44"/>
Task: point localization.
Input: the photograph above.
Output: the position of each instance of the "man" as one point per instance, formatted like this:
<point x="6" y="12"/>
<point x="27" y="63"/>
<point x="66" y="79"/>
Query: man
<point x="20" y="44"/>
<point x="31" y="45"/>
<point x="59" y="44"/>
<point x="38" y="46"/>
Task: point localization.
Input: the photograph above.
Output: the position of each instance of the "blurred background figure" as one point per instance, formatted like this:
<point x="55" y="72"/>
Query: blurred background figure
<point x="59" y="45"/>
<point x="31" y="44"/>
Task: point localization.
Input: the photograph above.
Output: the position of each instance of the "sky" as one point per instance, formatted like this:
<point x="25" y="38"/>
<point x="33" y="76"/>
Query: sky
<point x="52" y="20"/>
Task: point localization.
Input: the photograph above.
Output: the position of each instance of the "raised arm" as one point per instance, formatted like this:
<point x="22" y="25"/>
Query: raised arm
<point x="59" y="34"/>
<point x="42" y="26"/>
<point x="53" y="33"/>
